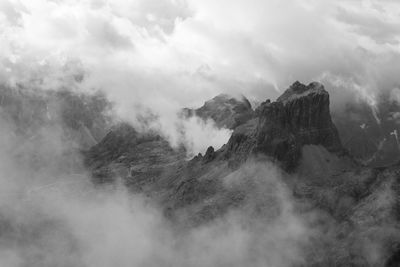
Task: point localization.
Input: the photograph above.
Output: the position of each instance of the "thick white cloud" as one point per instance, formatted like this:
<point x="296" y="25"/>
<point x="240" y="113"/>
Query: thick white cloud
<point x="226" y="45"/>
<point x="167" y="54"/>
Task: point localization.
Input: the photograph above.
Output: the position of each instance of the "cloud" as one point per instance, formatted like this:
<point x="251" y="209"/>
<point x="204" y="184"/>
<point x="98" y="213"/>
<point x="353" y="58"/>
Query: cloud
<point x="54" y="216"/>
<point x="10" y="12"/>
<point x="395" y="95"/>
<point x="152" y="58"/>
<point x="169" y="54"/>
<point x="373" y="27"/>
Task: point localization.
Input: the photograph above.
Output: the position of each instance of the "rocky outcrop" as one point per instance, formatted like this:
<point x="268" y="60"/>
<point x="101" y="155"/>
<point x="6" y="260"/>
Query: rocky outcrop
<point x="210" y="155"/>
<point x="226" y="111"/>
<point x="299" y="117"/>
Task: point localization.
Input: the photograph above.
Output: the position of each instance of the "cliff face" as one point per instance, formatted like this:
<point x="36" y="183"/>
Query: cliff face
<point x="299" y="117"/>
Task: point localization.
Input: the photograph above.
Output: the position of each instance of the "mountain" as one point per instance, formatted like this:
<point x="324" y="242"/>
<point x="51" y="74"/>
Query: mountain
<point x="226" y="111"/>
<point x="299" y="117"/>
<point x="350" y="211"/>
<point x="297" y="123"/>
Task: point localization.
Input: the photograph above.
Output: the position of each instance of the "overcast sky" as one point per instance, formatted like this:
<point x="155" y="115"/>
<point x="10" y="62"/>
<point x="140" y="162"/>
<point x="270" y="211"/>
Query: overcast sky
<point x="185" y="52"/>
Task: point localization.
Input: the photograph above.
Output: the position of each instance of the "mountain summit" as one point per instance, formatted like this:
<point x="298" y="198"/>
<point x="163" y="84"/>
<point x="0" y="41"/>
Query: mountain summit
<point x="299" y="117"/>
<point x="225" y="110"/>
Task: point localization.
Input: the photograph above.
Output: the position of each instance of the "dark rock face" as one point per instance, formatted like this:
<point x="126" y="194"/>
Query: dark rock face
<point x="210" y="154"/>
<point x="226" y="111"/>
<point x="299" y="117"/>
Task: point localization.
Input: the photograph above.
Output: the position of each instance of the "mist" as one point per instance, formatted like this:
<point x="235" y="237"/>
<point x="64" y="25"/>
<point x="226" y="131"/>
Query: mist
<point x="51" y="214"/>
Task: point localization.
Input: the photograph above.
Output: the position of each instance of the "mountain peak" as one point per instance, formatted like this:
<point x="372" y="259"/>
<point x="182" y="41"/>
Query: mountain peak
<point x="298" y="90"/>
<point x="225" y="100"/>
<point x="301" y="116"/>
<point x="225" y="110"/>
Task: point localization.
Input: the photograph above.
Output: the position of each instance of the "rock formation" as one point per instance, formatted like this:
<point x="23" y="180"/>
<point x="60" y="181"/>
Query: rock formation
<point x="299" y="117"/>
<point x="226" y="111"/>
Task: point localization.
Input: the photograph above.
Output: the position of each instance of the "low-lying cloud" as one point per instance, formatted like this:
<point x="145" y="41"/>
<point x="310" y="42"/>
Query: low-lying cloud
<point x="52" y="215"/>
